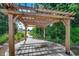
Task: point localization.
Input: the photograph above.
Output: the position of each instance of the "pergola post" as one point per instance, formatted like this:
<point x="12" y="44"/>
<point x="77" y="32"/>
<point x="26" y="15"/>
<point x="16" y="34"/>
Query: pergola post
<point x="67" y="39"/>
<point x="11" y="35"/>
<point x="44" y="33"/>
<point x="25" y="34"/>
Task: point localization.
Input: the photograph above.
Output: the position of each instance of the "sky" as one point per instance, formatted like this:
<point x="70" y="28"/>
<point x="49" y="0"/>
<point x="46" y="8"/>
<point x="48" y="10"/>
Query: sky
<point x="26" y="4"/>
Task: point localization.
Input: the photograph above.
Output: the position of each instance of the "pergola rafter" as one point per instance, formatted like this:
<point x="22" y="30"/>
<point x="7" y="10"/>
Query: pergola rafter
<point x="36" y="18"/>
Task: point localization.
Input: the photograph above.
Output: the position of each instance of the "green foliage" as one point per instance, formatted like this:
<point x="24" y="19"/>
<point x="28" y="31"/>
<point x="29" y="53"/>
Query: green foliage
<point x="19" y="36"/>
<point x="3" y="39"/>
<point x="36" y="33"/>
<point x="74" y="36"/>
<point x="3" y="23"/>
<point x="55" y="33"/>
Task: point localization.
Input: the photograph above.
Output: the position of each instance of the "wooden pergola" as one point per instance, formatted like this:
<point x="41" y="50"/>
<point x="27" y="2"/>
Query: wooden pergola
<point x="36" y="17"/>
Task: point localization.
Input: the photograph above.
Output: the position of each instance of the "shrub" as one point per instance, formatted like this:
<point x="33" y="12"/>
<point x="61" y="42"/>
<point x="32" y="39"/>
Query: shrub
<point x="74" y="36"/>
<point x="19" y="36"/>
<point x="3" y="39"/>
<point x="36" y="33"/>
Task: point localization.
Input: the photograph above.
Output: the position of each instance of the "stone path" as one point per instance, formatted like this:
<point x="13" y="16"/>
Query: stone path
<point x="35" y="47"/>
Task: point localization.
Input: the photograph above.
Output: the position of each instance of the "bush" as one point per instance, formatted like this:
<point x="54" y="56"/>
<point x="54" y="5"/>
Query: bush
<point x="74" y="36"/>
<point x="56" y="33"/>
<point x="36" y="33"/>
<point x="3" y="39"/>
<point x="19" y="36"/>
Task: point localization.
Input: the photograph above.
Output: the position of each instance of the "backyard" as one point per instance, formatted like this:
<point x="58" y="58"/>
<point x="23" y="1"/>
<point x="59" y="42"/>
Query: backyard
<point x="54" y="32"/>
